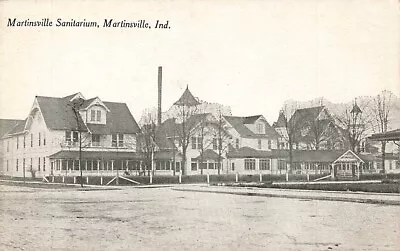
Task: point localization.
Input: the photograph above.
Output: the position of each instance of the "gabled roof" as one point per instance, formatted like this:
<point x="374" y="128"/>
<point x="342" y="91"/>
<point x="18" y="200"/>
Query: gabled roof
<point x="6" y="125"/>
<point x="196" y="119"/>
<point x="281" y="122"/>
<point x="19" y="128"/>
<point x="239" y="124"/>
<point x="187" y="99"/>
<point x="59" y="115"/>
<point x="88" y="102"/>
<point x="323" y="156"/>
<point x="120" y="119"/>
<point x="251" y="119"/>
<point x="248" y="152"/>
<point x="164" y="134"/>
<point x="306" y="114"/>
<point x="209" y="154"/>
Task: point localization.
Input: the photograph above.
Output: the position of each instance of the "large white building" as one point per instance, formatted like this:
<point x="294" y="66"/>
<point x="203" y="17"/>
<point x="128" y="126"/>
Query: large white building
<point x="48" y="140"/>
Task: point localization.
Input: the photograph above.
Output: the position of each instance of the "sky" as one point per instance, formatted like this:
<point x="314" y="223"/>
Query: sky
<point x="250" y="55"/>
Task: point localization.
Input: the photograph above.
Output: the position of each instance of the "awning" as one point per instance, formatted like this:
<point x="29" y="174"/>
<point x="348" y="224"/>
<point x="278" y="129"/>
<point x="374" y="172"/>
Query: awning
<point x="98" y="129"/>
<point x="97" y="155"/>
<point x="387" y="136"/>
<point x="166" y="155"/>
<point x="209" y="155"/>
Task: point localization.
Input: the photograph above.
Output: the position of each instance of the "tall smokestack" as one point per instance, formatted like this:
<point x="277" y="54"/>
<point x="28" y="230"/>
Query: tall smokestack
<point x="159" y="94"/>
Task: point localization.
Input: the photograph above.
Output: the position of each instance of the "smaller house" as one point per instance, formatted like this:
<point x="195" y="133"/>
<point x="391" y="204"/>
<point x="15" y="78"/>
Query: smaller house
<point x="314" y="129"/>
<point x="247" y="160"/>
<point x="252" y="131"/>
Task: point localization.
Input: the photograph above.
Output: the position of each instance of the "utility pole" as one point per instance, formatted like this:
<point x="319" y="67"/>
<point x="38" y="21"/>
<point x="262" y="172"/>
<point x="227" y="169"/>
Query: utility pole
<point x="80" y="156"/>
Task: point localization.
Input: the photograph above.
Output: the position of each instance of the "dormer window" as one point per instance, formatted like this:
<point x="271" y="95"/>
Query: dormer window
<point x="260" y="128"/>
<point x="95" y="115"/>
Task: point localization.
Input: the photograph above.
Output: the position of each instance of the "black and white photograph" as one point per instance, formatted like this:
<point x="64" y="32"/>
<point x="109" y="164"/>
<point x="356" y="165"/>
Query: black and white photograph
<point x="200" y="125"/>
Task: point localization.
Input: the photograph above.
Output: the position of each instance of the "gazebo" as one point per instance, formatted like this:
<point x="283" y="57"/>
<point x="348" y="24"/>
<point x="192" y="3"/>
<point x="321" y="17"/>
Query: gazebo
<point x="347" y="165"/>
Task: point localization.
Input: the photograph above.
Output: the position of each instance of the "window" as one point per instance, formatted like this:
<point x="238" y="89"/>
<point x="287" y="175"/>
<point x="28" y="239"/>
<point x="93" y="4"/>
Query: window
<point x="194" y="164"/>
<point x="259" y="144"/>
<point x="92" y="115"/>
<point x="95" y="115"/>
<point x="8" y="145"/>
<point x="75" y="136"/>
<point x="31" y="164"/>
<point x="7" y="165"/>
<point x="44" y="139"/>
<point x="215" y="145"/>
<point x="211" y="165"/>
<point x="23" y="164"/>
<point x="269" y="144"/>
<point x="233" y="166"/>
<point x="260" y="128"/>
<point x="114" y="140"/>
<point x="68" y="136"/>
<point x="39" y="164"/>
<point x="39" y="139"/>
<point x="95" y="139"/>
<point x="16" y="165"/>
<point x="281" y="164"/>
<point x="24" y="141"/>
<point x="237" y="144"/>
<point x="194" y="142"/>
<point x="44" y="164"/>
<point x="249" y="164"/>
<point x="265" y="164"/>
<point x="117" y="140"/>
<point x="120" y="140"/>
<point x="18" y="143"/>
<point x="31" y="139"/>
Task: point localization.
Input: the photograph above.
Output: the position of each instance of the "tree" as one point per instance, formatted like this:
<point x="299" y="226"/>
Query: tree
<point x="222" y="136"/>
<point x="203" y="141"/>
<point x="188" y="106"/>
<point x="147" y="142"/>
<point x="291" y="126"/>
<point x="186" y="131"/>
<point x="355" y="122"/>
<point x="76" y="105"/>
<point x="381" y="109"/>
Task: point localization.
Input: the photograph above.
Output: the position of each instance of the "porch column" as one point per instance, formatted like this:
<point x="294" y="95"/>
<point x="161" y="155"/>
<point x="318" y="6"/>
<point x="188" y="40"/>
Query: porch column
<point x="98" y="166"/>
<point x="66" y="168"/>
<point x="73" y="164"/>
<point x="112" y="165"/>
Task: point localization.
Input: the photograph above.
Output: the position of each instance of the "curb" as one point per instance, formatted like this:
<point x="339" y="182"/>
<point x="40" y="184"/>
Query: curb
<point x="305" y="197"/>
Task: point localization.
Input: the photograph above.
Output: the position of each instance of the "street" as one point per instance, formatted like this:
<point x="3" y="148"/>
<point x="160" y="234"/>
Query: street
<point x="165" y="219"/>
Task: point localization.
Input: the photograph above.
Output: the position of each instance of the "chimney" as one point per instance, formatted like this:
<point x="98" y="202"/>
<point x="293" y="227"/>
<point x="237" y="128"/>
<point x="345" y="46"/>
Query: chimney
<point x="159" y="95"/>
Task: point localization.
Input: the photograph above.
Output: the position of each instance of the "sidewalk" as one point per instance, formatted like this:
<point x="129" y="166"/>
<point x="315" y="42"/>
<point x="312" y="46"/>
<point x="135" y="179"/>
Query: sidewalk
<point x="359" y="197"/>
<point x="86" y="187"/>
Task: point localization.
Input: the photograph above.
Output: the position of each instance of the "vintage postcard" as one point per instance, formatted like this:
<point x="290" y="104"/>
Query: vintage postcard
<point x="200" y="125"/>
